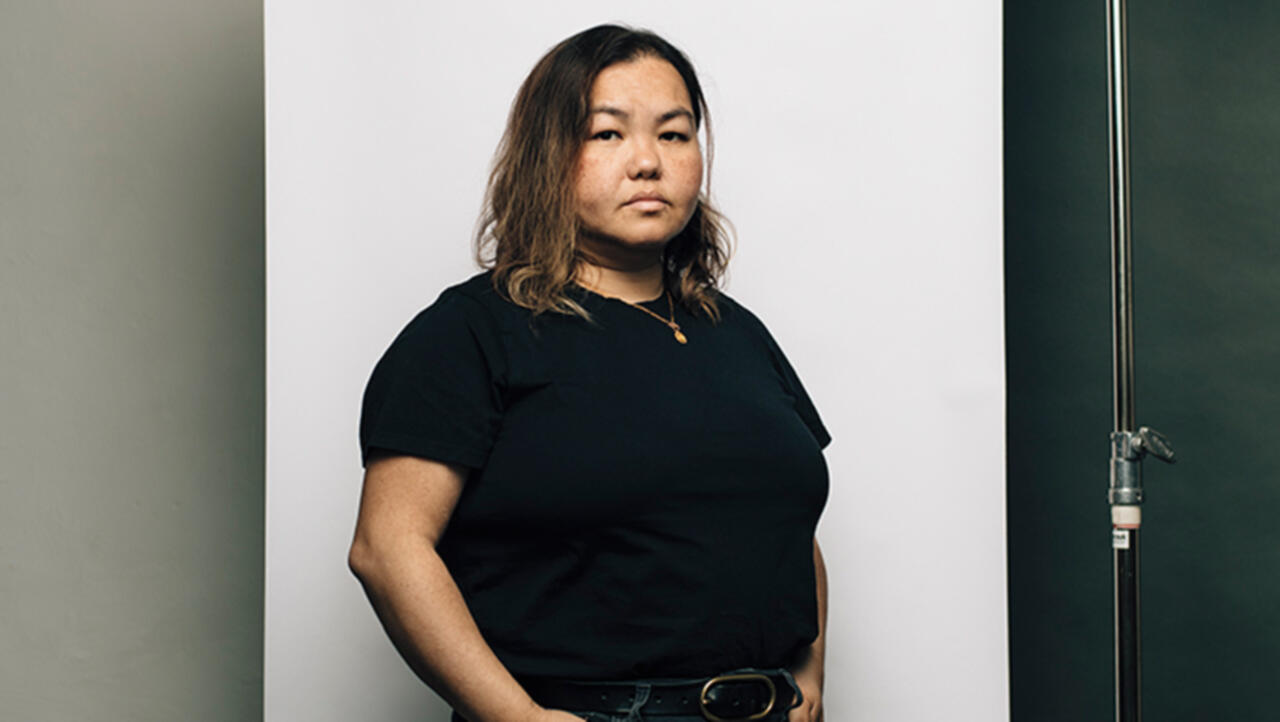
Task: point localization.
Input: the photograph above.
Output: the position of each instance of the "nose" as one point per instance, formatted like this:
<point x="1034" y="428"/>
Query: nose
<point x="645" y="161"/>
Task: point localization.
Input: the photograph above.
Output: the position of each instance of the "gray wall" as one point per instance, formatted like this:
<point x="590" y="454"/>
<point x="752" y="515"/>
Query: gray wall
<point x="131" y="360"/>
<point x="1205" y="127"/>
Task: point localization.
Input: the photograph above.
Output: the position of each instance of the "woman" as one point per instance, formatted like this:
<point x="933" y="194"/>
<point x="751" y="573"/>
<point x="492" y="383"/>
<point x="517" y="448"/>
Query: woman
<point x="592" y="480"/>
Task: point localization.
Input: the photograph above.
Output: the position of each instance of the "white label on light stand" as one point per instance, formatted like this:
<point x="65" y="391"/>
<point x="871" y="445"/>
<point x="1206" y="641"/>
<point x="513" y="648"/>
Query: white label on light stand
<point x="1119" y="538"/>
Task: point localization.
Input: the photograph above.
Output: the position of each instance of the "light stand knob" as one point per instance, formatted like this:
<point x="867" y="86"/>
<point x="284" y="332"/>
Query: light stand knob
<point x="1150" y="441"/>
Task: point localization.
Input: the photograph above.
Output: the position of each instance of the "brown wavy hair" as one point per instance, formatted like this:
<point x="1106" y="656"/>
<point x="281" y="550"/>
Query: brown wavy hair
<point x="528" y="230"/>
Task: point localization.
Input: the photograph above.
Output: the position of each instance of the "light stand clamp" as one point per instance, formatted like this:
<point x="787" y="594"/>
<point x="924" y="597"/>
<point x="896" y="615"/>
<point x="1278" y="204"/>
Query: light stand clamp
<point x="1127" y="451"/>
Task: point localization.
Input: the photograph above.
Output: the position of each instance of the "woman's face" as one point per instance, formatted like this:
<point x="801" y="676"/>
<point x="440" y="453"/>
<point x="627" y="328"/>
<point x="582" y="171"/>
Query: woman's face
<point x="640" y="168"/>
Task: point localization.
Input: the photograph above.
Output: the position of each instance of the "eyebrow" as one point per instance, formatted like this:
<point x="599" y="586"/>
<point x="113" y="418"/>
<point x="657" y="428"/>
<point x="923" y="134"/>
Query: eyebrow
<point x="620" y="113"/>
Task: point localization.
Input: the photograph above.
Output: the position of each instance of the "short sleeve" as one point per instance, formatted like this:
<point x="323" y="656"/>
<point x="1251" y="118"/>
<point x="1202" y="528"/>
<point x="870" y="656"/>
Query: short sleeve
<point x="803" y="404"/>
<point x="434" y="393"/>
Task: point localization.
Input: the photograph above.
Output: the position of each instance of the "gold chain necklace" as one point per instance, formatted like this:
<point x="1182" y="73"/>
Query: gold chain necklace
<point x="671" y="322"/>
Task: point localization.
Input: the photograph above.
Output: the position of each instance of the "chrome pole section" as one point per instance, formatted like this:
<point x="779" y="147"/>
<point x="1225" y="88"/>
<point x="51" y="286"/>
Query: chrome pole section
<point x="1128" y="446"/>
<point x="1121" y="244"/>
<point x="1126" y="473"/>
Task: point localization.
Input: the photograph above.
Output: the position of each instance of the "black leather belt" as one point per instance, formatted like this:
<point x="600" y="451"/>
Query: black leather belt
<point x="731" y="697"/>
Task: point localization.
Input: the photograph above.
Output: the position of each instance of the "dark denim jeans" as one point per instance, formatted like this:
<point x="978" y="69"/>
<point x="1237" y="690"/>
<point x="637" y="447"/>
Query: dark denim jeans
<point x="645" y="690"/>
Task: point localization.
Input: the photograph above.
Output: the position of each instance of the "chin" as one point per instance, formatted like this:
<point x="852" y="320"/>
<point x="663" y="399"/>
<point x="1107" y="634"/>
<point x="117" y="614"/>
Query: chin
<point x="651" y="236"/>
<point x="653" y="242"/>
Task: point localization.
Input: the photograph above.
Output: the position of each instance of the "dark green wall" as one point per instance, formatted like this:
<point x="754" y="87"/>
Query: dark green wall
<point x="1205" y="130"/>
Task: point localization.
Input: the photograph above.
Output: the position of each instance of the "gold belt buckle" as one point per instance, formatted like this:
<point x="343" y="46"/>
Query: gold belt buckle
<point x="749" y="676"/>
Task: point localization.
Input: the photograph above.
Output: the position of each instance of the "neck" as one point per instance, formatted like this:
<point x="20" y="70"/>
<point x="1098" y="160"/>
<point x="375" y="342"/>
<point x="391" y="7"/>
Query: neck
<point x="632" y="277"/>
<point x="634" y="284"/>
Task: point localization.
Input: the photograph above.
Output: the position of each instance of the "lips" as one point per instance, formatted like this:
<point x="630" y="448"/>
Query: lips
<point x="647" y="200"/>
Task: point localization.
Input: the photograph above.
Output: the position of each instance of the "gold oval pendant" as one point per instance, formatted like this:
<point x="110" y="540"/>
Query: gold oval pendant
<point x="680" y="337"/>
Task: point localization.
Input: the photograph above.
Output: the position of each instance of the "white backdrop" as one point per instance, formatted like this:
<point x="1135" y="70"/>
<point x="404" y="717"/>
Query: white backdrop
<point x="858" y="155"/>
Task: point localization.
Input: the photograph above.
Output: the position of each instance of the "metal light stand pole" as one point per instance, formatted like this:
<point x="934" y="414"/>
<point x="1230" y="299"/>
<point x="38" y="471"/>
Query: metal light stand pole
<point x="1128" y="446"/>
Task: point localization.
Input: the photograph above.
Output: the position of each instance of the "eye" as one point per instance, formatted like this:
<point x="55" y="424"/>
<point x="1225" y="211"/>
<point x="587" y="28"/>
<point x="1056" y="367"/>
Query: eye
<point x="675" y="135"/>
<point x="607" y="135"/>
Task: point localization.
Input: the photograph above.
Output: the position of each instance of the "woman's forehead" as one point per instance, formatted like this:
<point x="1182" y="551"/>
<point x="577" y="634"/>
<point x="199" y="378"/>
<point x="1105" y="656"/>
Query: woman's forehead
<point x="638" y="86"/>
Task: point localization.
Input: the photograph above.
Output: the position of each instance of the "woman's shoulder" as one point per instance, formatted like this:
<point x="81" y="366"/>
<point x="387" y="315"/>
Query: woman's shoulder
<point x="735" y="313"/>
<point x="473" y="301"/>
<point x="463" y="326"/>
<point x="460" y="312"/>
<point x="475" y="291"/>
<point x="746" y="324"/>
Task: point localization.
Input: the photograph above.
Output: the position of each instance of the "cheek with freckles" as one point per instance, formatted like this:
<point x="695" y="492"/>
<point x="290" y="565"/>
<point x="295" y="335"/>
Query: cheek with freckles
<point x="686" y="174"/>
<point x="591" y="189"/>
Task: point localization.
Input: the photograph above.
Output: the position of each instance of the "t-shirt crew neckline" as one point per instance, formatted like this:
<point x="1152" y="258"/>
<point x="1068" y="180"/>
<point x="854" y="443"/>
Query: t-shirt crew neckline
<point x="649" y="303"/>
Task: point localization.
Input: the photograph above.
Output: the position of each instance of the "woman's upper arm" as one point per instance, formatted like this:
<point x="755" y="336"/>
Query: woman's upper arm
<point x="406" y="497"/>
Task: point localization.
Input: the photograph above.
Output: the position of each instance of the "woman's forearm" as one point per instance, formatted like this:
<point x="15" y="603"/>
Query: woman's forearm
<point x="419" y="604"/>
<point x="813" y="662"/>
<point x="809" y="671"/>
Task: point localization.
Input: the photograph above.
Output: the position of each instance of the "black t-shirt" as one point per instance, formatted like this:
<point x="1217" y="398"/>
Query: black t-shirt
<point x="636" y="507"/>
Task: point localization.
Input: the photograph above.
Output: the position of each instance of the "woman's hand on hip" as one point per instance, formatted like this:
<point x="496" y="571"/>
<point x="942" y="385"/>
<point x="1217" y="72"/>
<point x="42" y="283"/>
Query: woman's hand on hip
<point x="810" y="709"/>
